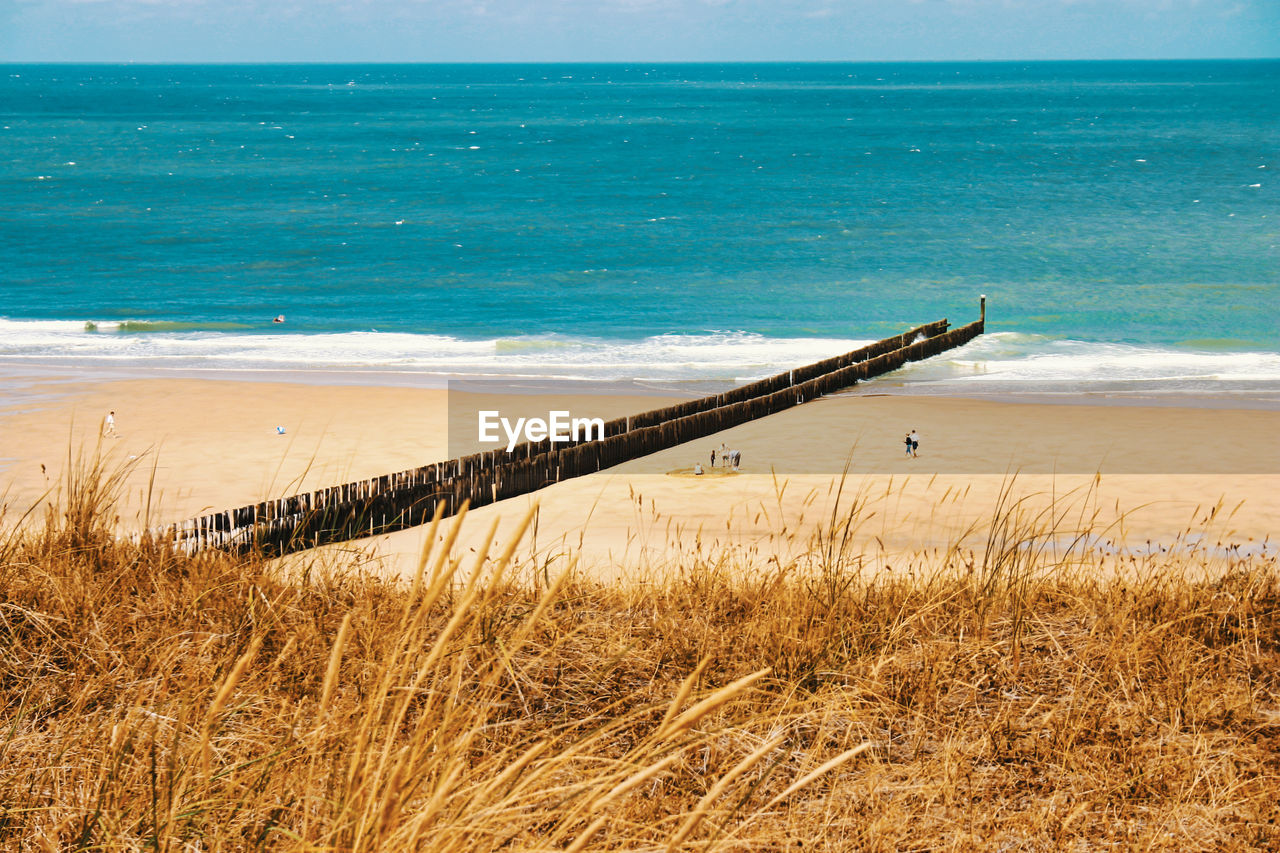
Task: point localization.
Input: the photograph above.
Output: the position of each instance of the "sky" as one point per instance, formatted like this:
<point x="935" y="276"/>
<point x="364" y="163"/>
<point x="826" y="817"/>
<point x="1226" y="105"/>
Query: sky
<point x="633" y="30"/>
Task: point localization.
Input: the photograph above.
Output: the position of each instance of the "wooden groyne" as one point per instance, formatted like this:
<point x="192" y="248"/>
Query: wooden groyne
<point x="409" y="498"/>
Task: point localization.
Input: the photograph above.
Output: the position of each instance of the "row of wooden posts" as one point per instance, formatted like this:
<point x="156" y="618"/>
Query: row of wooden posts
<point x="409" y="498"/>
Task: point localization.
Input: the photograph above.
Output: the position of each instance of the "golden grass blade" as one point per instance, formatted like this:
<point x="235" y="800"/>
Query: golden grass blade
<point x="428" y="541"/>
<point x="335" y="662"/>
<point x="700" y="810"/>
<point x="425" y="669"/>
<point x="392" y="668"/>
<point x="599" y="801"/>
<point x="682" y="695"/>
<point x="585" y="838"/>
<point x="513" y="770"/>
<point x="442" y="570"/>
<point x="220" y="701"/>
<point x="636" y="779"/>
<point x="462" y="612"/>
<point x="233" y="677"/>
<point x="810" y="777"/>
<point x="439" y="796"/>
<point x="504" y="559"/>
<point x="710" y="704"/>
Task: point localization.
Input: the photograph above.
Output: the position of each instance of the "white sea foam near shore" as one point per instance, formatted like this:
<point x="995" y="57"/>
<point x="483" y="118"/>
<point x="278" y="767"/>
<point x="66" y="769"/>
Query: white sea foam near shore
<point x="704" y="355"/>
<point x="1009" y="362"/>
<point x="999" y="362"/>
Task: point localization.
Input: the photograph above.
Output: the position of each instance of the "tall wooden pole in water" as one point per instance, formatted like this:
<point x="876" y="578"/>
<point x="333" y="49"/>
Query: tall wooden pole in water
<point x="982" y="309"/>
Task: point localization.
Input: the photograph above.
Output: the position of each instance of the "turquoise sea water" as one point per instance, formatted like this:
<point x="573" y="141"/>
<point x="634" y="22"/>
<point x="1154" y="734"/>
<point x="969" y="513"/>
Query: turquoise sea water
<point x="631" y="221"/>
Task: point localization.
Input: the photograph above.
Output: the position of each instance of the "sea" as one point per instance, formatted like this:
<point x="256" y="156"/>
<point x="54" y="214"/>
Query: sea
<point x="646" y="223"/>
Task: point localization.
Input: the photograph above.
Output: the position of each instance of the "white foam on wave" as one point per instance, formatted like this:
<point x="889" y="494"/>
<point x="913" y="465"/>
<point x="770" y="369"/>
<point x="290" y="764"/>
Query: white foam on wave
<point x="1007" y="357"/>
<point x="997" y="361"/>
<point x="709" y="355"/>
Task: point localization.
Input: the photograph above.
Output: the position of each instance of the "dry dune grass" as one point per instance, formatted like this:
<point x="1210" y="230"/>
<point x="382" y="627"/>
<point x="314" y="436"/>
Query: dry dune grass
<point x="1020" y="698"/>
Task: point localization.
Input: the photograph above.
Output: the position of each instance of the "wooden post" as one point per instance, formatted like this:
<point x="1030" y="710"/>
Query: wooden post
<point x="982" y="309"/>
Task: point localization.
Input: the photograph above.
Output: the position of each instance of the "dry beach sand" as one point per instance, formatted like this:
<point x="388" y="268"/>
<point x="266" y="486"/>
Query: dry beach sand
<point x="1141" y="471"/>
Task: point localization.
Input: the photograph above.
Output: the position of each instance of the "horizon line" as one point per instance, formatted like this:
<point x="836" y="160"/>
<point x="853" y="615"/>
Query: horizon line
<point x="616" y="62"/>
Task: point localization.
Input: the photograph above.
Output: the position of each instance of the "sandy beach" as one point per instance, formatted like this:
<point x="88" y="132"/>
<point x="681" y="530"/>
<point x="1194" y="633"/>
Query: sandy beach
<point x="188" y="446"/>
<point x="1137" y="477"/>
<point x="1136" y="472"/>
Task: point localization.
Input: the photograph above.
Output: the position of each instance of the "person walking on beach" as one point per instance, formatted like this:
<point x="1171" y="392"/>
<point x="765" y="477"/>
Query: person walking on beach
<point x="724" y="453"/>
<point x="109" y="425"/>
<point x="915" y="443"/>
<point x="713" y="457"/>
<point x="907" y="441"/>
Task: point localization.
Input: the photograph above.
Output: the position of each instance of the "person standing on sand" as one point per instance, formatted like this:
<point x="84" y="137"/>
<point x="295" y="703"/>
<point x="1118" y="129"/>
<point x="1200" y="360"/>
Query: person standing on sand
<point x="915" y="443"/>
<point x="713" y="457"/>
<point x="724" y="453"/>
<point x="109" y="425"/>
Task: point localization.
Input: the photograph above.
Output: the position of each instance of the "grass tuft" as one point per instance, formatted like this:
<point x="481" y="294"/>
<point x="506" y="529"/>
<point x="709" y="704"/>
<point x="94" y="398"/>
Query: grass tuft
<point x="1032" y="695"/>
